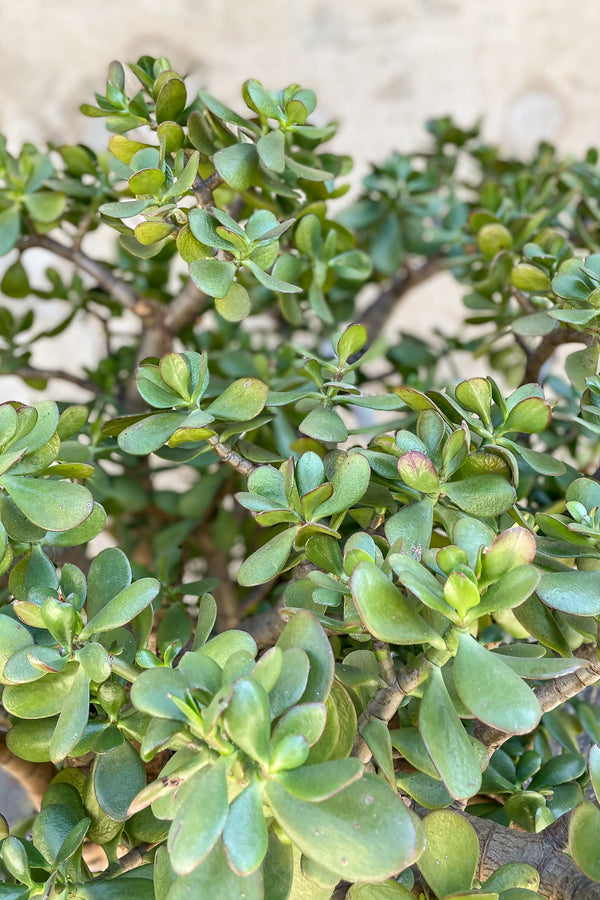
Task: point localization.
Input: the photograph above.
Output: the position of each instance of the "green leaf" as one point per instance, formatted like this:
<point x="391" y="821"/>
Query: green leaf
<point x="259" y="100"/>
<point x="135" y="888"/>
<point x="214" y="879"/>
<point x="362" y="833"/>
<point x="303" y="632"/>
<point x="451" y="854"/>
<point x="171" y="100"/>
<point x="418" y="472"/>
<point x="318" y="782"/>
<point x="271" y="151"/>
<point x="534" y="325"/>
<point x="306" y="719"/>
<point x="352" y="341"/>
<point x="573" y="592"/>
<point x="324" y="424"/>
<point x="269" y="281"/>
<point x="528" y="416"/>
<point x="45" y="206"/>
<point x="13" y="637"/>
<point x="235" y="305"/>
<point x="514" y="547"/>
<point x="491" y="690"/>
<point x="124" y="607"/>
<point x="43" y="698"/>
<point x="448" y="744"/>
<point x="124" y="209"/>
<point x="292" y="680"/>
<point x="268" y="561"/>
<point x="594" y="767"/>
<point x="110" y="573"/>
<point x="377" y="736"/>
<point x="580" y="365"/>
<point x="51" y="828"/>
<point x="481" y="495"/>
<point x="153" y="689"/>
<point x="241" y="401"/>
<point x="213" y="276"/>
<point x="583" y="838"/>
<point x="72" y="719"/>
<point x="151" y="232"/>
<point x="388" y="890"/>
<point x="10" y="227"/>
<point x="150" y="433"/>
<point x="352" y="265"/>
<point x="118" y="777"/>
<point x="15" y="282"/>
<point x="237" y="165"/>
<point x="245" y="836"/>
<point x="412" y="526"/>
<point x="147" y="181"/>
<point x="475" y="394"/>
<point x="385" y="612"/>
<point x="53" y="505"/>
<point x="511" y="589"/>
<point x="513" y="875"/>
<point x="248" y="719"/>
<point x="197" y="826"/>
<point x="350" y="480"/>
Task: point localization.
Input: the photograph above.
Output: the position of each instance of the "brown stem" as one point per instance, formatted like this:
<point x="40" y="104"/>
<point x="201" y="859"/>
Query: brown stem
<point x="34" y="778"/>
<point x="204" y="187"/>
<point x="384" y="703"/>
<point x="118" y="289"/>
<point x="30" y="372"/>
<point x="535" y="359"/>
<point x="131" y="860"/>
<point x="265" y="627"/>
<point x="550" y="695"/>
<point x="234" y="459"/>
<point x="184" y="309"/>
<point x="377" y="313"/>
<point x="384" y="659"/>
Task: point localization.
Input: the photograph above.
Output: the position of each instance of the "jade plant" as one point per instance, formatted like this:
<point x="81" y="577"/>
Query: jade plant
<point x="284" y="613"/>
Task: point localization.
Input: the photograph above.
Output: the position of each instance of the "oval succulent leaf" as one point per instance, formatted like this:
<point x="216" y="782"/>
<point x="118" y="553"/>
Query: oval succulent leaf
<point x="362" y="833"/>
<point x="385" y="612"/>
<point x="491" y="690"/>
<point x="124" y="607"/>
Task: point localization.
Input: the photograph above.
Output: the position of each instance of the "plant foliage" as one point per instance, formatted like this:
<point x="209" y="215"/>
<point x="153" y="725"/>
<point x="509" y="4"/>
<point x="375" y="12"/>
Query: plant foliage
<point x="342" y="622"/>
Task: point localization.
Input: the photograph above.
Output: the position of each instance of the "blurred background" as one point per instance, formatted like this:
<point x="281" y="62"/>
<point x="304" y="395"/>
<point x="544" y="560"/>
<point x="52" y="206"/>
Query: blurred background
<point x="528" y="69"/>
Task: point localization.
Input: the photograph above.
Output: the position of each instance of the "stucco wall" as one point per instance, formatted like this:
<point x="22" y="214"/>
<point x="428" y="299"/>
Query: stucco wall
<point x="528" y="68"/>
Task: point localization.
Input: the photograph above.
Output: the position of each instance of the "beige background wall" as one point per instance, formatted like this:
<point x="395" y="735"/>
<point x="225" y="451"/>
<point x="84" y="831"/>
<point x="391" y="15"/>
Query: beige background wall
<point x="528" y="68"/>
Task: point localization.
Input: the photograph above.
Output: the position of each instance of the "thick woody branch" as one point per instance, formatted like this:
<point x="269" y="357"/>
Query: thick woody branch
<point x="535" y="359"/>
<point x="185" y="308"/>
<point x="377" y="313"/>
<point x="131" y="860"/>
<point x="118" y="289"/>
<point x="204" y="187"/>
<point x="383" y="704"/>
<point x="31" y="372"/>
<point x="231" y="457"/>
<point x="560" y="879"/>
<point x="265" y="627"/>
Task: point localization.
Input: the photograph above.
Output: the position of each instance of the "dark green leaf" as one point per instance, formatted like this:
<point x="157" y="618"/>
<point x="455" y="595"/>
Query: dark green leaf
<point x="491" y="690"/>
<point x="446" y="740"/>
